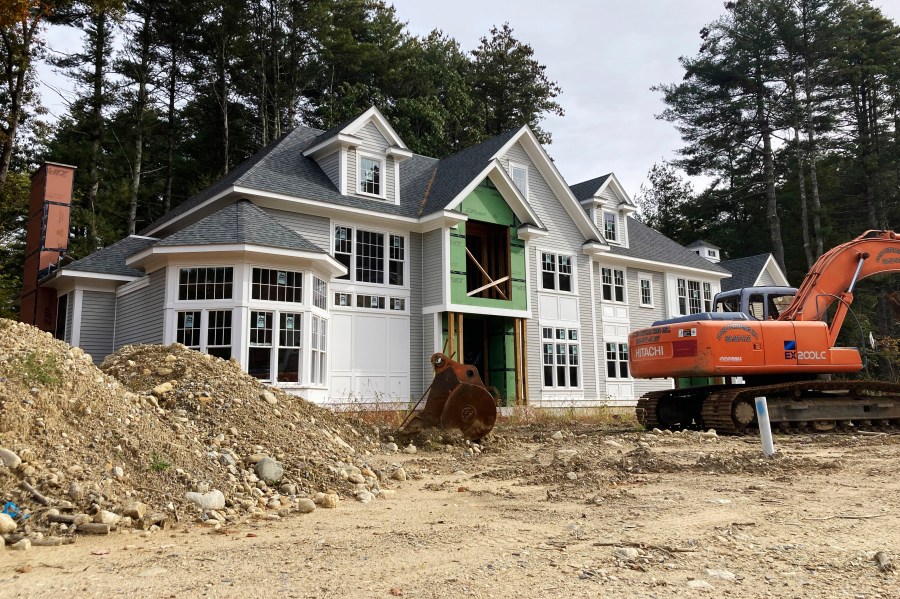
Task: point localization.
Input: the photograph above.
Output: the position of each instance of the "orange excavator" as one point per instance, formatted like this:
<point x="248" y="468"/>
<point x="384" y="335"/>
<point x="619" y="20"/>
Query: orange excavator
<point x="754" y="349"/>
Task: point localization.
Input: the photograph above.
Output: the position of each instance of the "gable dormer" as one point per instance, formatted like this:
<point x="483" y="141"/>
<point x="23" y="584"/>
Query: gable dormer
<point x="605" y="201"/>
<point x="362" y="157"/>
<point x="704" y="249"/>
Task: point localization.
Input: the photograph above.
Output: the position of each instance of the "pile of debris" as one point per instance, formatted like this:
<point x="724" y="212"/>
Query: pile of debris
<point x="158" y="434"/>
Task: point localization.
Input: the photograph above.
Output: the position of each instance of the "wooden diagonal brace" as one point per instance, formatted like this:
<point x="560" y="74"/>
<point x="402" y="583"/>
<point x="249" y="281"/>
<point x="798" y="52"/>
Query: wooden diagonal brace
<point x="486" y="276"/>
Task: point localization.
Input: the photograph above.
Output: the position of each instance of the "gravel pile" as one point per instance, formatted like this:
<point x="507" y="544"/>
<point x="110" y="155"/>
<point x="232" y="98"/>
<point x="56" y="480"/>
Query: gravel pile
<point x="159" y="434"/>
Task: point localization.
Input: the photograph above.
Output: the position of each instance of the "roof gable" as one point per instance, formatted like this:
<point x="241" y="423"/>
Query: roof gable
<point x="746" y="272"/>
<point x="374" y="116"/>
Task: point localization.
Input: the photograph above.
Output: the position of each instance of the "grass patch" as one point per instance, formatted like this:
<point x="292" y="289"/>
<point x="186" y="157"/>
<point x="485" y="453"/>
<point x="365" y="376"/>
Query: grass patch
<point x="158" y="463"/>
<point x="570" y="415"/>
<point x="41" y="369"/>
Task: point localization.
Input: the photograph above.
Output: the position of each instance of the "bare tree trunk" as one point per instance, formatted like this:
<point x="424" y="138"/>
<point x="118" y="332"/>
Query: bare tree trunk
<point x="804" y="209"/>
<point x="172" y="84"/>
<point x="769" y="171"/>
<point x="101" y="23"/>
<point x="222" y="68"/>
<point x="139" y="109"/>
<point x="812" y="156"/>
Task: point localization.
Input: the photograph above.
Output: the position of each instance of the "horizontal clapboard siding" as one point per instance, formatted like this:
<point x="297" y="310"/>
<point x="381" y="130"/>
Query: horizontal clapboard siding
<point x="139" y="314"/>
<point x="98" y="310"/>
<point x="315" y="229"/>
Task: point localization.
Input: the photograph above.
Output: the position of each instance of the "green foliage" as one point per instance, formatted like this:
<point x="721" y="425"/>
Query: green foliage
<point x="662" y="202"/>
<point x="40" y="369"/>
<point x="159" y="463"/>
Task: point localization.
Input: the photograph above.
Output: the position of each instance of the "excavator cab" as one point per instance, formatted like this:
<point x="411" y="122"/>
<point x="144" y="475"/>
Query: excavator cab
<point x="759" y="303"/>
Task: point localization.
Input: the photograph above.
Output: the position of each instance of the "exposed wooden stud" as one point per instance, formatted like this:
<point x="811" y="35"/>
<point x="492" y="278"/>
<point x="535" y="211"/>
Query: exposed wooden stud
<point x="517" y="360"/>
<point x="524" y="362"/>
<point x="461" y="348"/>
<point x="451" y="333"/>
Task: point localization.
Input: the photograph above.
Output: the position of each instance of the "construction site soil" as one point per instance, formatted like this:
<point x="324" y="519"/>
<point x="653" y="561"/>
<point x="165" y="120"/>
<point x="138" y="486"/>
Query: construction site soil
<point x="545" y="507"/>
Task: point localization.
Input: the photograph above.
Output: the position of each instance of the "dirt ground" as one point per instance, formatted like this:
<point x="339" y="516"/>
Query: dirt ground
<point x="590" y="513"/>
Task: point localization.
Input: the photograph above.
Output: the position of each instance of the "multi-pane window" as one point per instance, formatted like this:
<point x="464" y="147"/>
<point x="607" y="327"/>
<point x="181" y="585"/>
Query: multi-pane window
<point x="707" y="297"/>
<point x="320" y="293"/>
<point x="317" y="351"/>
<point x="259" y="363"/>
<point x="682" y="297"/>
<point x="343" y="299"/>
<point x="646" y="285"/>
<point x="187" y="330"/>
<point x="370" y="257"/>
<point x="370" y="176"/>
<point x="609" y="226"/>
<point x="395" y="264"/>
<point x="617" y="360"/>
<point x="519" y="175"/>
<point x="556" y="272"/>
<point x="370" y="301"/>
<point x="694" y="296"/>
<point x="561" y="361"/>
<point x="277" y="285"/>
<point x="398" y="303"/>
<point x="218" y="333"/>
<point x="613" y="284"/>
<point x="290" y="337"/>
<point x="205" y="283"/>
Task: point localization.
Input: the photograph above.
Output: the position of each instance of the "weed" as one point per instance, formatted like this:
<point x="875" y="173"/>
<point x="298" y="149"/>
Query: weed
<point x="569" y="415"/>
<point x="41" y="369"/>
<point x="158" y="463"/>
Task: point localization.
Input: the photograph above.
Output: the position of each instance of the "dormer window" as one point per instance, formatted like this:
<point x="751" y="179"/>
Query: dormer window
<point x="370" y="176"/>
<point x="609" y="226"/>
<point x="519" y="175"/>
<point x="712" y="253"/>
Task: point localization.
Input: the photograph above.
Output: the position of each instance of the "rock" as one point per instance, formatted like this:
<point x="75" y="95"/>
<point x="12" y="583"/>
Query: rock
<point x="255" y="458"/>
<point x="364" y="496"/>
<point x="391" y="447"/>
<point x="710" y="434"/>
<point x="612" y="443"/>
<point x="305" y="505"/>
<point x="162" y="388"/>
<point x="164" y="371"/>
<point x="214" y="500"/>
<point x="2" y="542"/>
<point x="23" y="545"/>
<point x="627" y="553"/>
<point x="105" y="517"/>
<point x="329" y="500"/>
<point x="721" y="574"/>
<point x="557" y="436"/>
<point x="169" y="358"/>
<point x="269" y="397"/>
<point x="75" y="491"/>
<point x="409" y="449"/>
<point x="356" y="478"/>
<point x="399" y="474"/>
<point x="288" y="489"/>
<point x="7" y="524"/>
<point x="135" y="510"/>
<point x="572" y="475"/>
<point x="269" y="470"/>
<point x="118" y="472"/>
<point x="700" y="584"/>
<point x="9" y="459"/>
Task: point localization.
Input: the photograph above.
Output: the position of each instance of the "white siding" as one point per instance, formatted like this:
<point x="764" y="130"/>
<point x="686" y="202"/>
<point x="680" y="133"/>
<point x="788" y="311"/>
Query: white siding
<point x="642" y="317"/>
<point x="373" y="140"/>
<point x="374" y="143"/>
<point x="140" y="314"/>
<point x="765" y="279"/>
<point x="416" y="347"/>
<point x="97" y="321"/>
<point x="315" y="229"/>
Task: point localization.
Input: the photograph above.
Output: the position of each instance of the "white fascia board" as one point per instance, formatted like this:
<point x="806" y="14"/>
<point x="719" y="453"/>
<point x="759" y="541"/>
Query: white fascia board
<point x="399" y="154"/>
<point x="62" y="275"/>
<point x="438" y="220"/>
<point x="330" y="264"/>
<point x="480" y="310"/>
<point x="200" y="206"/>
<point x="613" y="181"/>
<point x="666" y="267"/>
<point x="594" y="248"/>
<point x="374" y="115"/>
<point x="508" y="191"/>
<point x="554" y="178"/>
<point x="775" y="271"/>
<point x="333" y="144"/>
<point x="530" y="232"/>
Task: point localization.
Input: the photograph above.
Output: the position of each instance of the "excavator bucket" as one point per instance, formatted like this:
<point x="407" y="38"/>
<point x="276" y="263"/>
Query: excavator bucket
<point x="456" y="399"/>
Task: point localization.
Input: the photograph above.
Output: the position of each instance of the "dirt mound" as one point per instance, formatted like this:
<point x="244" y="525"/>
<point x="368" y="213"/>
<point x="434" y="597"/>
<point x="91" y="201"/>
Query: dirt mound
<point x="77" y="438"/>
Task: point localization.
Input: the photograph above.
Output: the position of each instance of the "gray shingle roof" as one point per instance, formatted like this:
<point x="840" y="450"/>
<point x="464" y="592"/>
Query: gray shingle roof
<point x="648" y="244"/>
<point x="744" y="271"/>
<point x="241" y="222"/>
<point x="701" y="244"/>
<point x="586" y="189"/>
<point x="111" y="259"/>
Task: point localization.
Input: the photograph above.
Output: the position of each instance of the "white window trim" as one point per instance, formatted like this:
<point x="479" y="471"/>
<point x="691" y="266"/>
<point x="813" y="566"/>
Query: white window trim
<point x="615" y="215"/>
<point x="624" y="272"/>
<point x="616" y="378"/>
<point x="645" y="276"/>
<point x="235" y="286"/>
<point x="305" y="323"/>
<point x="306" y="300"/>
<point x="551" y="324"/>
<point x="382" y="173"/>
<point x="513" y="165"/>
<point x="351" y="285"/>
<point x="540" y="272"/>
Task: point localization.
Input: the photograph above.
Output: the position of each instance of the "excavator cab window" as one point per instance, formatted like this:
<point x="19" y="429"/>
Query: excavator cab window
<point x="728" y="304"/>
<point x="756" y="306"/>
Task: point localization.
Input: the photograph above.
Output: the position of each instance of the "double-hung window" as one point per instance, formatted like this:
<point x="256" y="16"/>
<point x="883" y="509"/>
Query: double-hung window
<point x="370" y="176"/>
<point x="212" y="336"/>
<point x="556" y="272"/>
<point x="707" y="297"/>
<point x="645" y="283"/>
<point x="318" y="351"/>
<point x="561" y="361"/>
<point x="519" y="174"/>
<point x="617" y="360"/>
<point x="613" y="284"/>
<point x="609" y="226"/>
<point x="370" y="257"/>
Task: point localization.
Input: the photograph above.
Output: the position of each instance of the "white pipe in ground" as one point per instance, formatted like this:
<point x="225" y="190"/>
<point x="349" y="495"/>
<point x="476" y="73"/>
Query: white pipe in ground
<point x="765" y="427"/>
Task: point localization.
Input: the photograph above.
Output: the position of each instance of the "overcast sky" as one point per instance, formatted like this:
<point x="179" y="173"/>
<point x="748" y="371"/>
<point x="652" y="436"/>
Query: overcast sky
<point x="605" y="55"/>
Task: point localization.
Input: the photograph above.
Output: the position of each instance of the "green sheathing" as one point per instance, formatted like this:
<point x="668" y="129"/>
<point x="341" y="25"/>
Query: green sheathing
<point x="487" y="205"/>
<point x="501" y="358"/>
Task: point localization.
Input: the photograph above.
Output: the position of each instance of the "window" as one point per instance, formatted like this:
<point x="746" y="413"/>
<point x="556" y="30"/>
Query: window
<point x="556" y="272"/>
<point x="259" y="363"/>
<point x="398" y="303"/>
<point x="613" y="284"/>
<point x="370" y="176"/>
<point x="690" y="300"/>
<point x="646" y="284"/>
<point x="317" y="351"/>
<point x="370" y="257"/>
<point x="277" y="285"/>
<point x="370" y="301"/>
<point x="290" y="337"/>
<point x="519" y="175"/>
<point x="617" y="360"/>
<point x="62" y="313"/>
<point x="218" y="333"/>
<point x="320" y="293"/>
<point x="343" y="299"/>
<point x="609" y="226"/>
<point x="205" y="283"/>
<point x="187" y="332"/>
<point x="712" y="253"/>
<point x="561" y="361"/>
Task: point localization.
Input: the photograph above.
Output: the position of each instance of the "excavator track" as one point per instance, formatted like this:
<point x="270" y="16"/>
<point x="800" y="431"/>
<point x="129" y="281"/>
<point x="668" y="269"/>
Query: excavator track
<point x="673" y="408"/>
<point x="809" y="406"/>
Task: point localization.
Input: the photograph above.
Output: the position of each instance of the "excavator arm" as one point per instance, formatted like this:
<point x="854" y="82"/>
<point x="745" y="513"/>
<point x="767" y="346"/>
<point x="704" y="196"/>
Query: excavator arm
<point x="833" y="276"/>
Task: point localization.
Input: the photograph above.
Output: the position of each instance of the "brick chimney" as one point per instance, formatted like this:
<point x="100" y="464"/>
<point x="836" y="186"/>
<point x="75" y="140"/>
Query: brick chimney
<point x="46" y="240"/>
